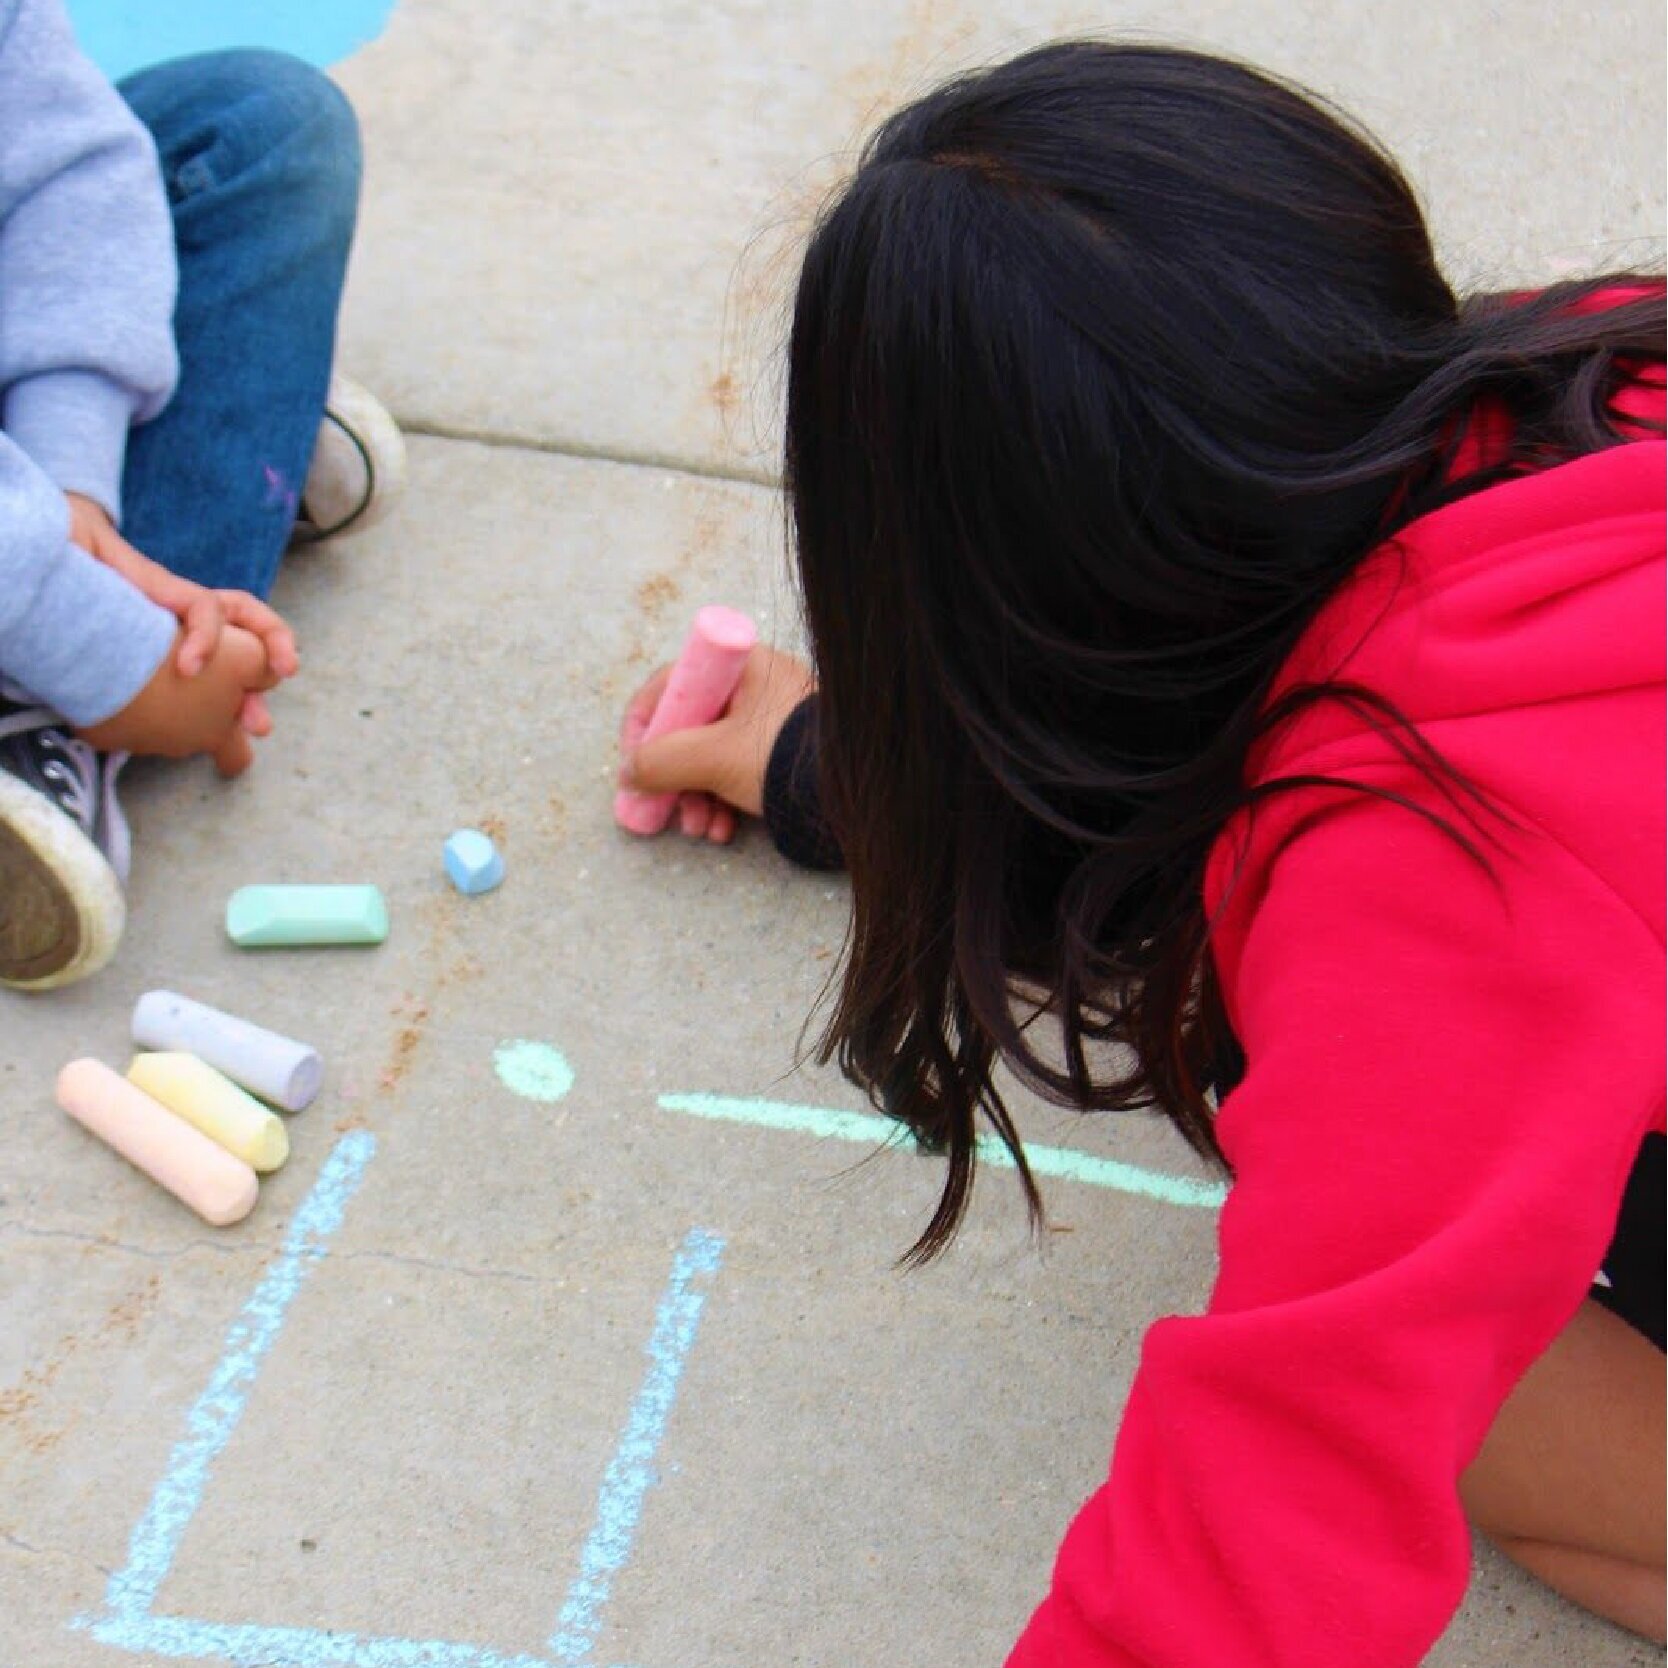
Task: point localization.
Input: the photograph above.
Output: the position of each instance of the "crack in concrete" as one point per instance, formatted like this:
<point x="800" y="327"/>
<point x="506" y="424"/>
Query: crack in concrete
<point x="406" y="1259"/>
<point x="152" y="1253"/>
<point x="369" y="1254"/>
<point x="51" y="1551"/>
<point x="669" y="462"/>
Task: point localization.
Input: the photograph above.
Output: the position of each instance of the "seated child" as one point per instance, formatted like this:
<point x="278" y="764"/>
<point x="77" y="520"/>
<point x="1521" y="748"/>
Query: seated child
<point x="171" y="262"/>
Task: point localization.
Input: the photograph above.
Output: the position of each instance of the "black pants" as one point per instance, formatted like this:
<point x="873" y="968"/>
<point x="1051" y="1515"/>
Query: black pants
<point x="1634" y="1263"/>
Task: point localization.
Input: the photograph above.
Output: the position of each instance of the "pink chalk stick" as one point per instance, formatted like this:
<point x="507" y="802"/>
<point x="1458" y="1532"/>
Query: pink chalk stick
<point x="699" y="689"/>
<point x="220" y="1188"/>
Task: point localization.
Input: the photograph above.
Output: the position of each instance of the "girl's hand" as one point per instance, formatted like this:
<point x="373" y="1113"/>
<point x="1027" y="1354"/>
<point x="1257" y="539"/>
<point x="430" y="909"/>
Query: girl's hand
<point x="719" y="768"/>
<point x="177" y="716"/>
<point x="203" y="613"/>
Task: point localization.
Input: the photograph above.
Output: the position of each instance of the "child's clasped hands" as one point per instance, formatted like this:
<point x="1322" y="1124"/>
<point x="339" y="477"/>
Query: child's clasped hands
<point x="209" y="693"/>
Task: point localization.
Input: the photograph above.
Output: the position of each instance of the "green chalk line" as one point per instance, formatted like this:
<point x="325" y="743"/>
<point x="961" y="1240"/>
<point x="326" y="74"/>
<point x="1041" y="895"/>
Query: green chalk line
<point x="1062" y="1162"/>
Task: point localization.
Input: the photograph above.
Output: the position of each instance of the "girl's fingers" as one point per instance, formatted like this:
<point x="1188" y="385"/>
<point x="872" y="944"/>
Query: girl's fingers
<point x="695" y="814"/>
<point x="672" y="763"/>
<point x="722" y="829"/>
<point x="640" y="709"/>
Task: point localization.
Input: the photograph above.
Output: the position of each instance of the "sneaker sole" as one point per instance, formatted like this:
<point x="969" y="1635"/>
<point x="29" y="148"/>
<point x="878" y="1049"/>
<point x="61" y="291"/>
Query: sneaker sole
<point x="61" y="906"/>
<point x="367" y="423"/>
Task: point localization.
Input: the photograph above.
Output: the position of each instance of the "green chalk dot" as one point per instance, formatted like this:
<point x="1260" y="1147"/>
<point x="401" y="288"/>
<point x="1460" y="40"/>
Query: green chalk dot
<point x="533" y="1070"/>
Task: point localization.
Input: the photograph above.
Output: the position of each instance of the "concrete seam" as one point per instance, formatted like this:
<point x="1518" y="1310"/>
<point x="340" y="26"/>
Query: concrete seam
<point x="667" y="462"/>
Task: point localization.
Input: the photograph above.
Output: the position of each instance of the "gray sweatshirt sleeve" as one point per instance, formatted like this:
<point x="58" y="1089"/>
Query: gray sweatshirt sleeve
<point x="87" y="271"/>
<point x="73" y="632"/>
<point x="87" y="281"/>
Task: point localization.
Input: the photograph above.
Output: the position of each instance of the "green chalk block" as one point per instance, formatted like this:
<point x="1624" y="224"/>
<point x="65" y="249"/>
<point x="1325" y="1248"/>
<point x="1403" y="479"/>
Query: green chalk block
<point x="258" y="916"/>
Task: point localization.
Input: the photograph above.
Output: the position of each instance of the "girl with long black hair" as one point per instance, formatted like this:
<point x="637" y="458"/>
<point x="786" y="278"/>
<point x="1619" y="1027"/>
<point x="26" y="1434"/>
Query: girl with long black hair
<point x="1237" y="648"/>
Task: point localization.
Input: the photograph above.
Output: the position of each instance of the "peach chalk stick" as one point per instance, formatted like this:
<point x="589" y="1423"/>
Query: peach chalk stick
<point x="213" y="1104"/>
<point x="220" y="1188"/>
<point x="697" y="692"/>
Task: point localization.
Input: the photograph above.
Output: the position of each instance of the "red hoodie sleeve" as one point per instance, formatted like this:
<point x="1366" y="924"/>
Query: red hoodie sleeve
<point x="1449" y="1076"/>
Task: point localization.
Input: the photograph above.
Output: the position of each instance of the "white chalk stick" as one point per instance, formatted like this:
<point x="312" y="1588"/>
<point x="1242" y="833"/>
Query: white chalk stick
<point x="278" y="1069"/>
<point x="215" y="1105"/>
<point x="220" y="1188"/>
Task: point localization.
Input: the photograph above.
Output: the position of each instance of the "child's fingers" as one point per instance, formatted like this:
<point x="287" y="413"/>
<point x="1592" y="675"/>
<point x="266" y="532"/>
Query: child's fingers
<point x="266" y="623"/>
<point x="684" y="759"/>
<point x="235" y="754"/>
<point x="255" y="716"/>
<point x="203" y="621"/>
<point x="722" y="829"/>
<point x="640" y="709"/>
<point x="695" y="814"/>
<point x="247" y="661"/>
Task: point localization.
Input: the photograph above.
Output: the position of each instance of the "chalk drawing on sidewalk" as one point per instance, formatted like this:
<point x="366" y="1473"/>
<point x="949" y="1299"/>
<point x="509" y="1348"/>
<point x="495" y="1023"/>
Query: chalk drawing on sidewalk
<point x="129" y="1622"/>
<point x="1064" y="1163"/>
<point x="536" y="1071"/>
<point x="533" y="1070"/>
<point x="631" y="1473"/>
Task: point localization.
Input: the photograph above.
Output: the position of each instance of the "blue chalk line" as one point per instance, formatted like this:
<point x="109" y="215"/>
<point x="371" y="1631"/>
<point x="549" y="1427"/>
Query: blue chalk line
<point x="214" y="1416"/>
<point x="631" y="1472"/>
<point x="295" y="1647"/>
<point x="1062" y="1162"/>
<point x="127" y="1622"/>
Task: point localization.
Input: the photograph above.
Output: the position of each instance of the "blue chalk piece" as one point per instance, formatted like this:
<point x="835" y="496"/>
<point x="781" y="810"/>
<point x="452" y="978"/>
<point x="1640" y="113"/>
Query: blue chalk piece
<point x="473" y="863"/>
<point x="269" y="915"/>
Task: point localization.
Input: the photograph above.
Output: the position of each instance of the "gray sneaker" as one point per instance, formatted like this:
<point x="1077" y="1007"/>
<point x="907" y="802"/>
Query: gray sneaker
<point x="358" y="468"/>
<point x="64" y="849"/>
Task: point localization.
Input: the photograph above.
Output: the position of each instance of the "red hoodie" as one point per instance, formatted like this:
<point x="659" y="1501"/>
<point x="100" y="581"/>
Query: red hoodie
<point x="1449" y="1075"/>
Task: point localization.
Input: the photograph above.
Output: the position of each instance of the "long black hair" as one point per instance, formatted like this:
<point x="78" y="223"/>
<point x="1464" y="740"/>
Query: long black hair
<point x="1107" y="367"/>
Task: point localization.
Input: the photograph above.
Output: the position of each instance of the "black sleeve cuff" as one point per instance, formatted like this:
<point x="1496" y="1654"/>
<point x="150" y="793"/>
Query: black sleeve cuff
<point x="792" y="803"/>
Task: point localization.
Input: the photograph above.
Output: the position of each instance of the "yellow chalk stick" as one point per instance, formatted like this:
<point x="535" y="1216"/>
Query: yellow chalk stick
<point x="220" y="1188"/>
<point x="215" y="1105"/>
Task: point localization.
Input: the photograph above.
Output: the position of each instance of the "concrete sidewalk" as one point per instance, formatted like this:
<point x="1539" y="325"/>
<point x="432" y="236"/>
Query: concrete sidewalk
<point x="623" y="1374"/>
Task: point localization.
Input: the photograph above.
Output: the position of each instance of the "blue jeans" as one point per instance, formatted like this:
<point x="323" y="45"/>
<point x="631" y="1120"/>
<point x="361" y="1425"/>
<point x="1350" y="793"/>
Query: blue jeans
<point x="260" y="157"/>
